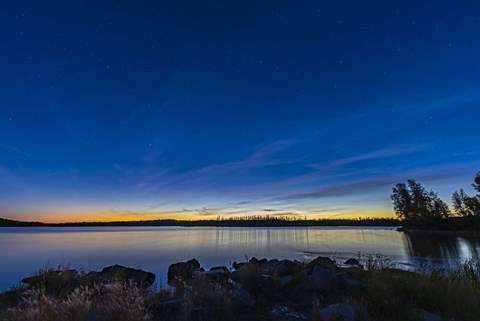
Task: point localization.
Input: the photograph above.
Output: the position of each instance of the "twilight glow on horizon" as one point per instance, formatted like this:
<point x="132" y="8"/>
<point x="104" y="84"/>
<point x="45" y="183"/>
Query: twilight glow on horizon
<point x="191" y="109"/>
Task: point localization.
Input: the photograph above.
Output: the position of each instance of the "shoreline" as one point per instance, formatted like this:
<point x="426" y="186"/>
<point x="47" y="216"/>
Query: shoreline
<point x="256" y="289"/>
<point x="474" y="233"/>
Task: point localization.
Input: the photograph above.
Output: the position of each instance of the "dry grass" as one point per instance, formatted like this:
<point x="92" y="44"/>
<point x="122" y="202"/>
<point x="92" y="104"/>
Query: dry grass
<point x="122" y="302"/>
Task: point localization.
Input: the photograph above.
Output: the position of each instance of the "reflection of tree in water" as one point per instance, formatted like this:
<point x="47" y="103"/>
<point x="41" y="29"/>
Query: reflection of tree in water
<point x="447" y="247"/>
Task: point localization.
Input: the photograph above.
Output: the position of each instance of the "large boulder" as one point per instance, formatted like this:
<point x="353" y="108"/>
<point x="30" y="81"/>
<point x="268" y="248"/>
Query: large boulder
<point x="281" y="268"/>
<point x="54" y="282"/>
<point x="237" y="266"/>
<point x="62" y="282"/>
<point x="242" y="297"/>
<point x="350" y="279"/>
<point x="182" y="271"/>
<point x="244" y="275"/>
<point x="284" y="281"/>
<point x="352" y="262"/>
<point x="263" y="284"/>
<point x="118" y="273"/>
<point x="323" y="262"/>
<point x="338" y="312"/>
<point x="217" y="274"/>
<point x="318" y="279"/>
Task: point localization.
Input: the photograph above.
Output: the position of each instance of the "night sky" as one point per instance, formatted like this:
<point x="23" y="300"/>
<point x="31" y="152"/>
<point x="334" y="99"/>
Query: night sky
<point x="193" y="109"/>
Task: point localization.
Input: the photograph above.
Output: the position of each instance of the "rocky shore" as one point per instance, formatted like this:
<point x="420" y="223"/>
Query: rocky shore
<point x="257" y="289"/>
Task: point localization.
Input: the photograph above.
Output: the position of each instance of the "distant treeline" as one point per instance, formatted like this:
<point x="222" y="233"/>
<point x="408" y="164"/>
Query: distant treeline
<point x="246" y="221"/>
<point x="5" y="222"/>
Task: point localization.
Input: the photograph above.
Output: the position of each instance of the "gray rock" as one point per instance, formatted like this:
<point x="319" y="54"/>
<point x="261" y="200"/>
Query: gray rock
<point x="238" y="266"/>
<point x="318" y="278"/>
<point x="270" y="264"/>
<point x="324" y="262"/>
<point x="282" y="268"/>
<point x="263" y="284"/>
<point x="346" y="281"/>
<point x="182" y="271"/>
<point x="118" y="273"/>
<point x="242" y="297"/>
<point x="54" y="281"/>
<point x="423" y="315"/>
<point x="284" y="281"/>
<point x="221" y="268"/>
<point x="338" y="312"/>
<point x="244" y="274"/>
<point x="217" y="274"/>
<point x="353" y="262"/>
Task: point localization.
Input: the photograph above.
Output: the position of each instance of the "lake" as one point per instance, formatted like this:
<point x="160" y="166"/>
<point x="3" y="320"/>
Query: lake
<point x="27" y="249"/>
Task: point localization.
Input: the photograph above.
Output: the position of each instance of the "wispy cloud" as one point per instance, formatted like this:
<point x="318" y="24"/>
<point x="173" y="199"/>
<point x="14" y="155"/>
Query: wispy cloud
<point x="265" y="156"/>
<point x="371" y="185"/>
<point x="379" y="154"/>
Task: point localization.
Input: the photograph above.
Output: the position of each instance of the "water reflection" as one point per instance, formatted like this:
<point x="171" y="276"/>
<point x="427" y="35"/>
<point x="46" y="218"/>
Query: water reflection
<point x="24" y="250"/>
<point x="441" y="248"/>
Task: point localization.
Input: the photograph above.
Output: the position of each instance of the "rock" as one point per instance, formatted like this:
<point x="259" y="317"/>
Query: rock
<point x="217" y="274"/>
<point x="93" y="278"/>
<point x="270" y="264"/>
<point x="237" y="266"/>
<point x="253" y="260"/>
<point x="338" y="312"/>
<point x="284" y="313"/>
<point x="242" y="297"/>
<point x="282" y="268"/>
<point x="217" y="268"/>
<point x="240" y="274"/>
<point x="54" y="281"/>
<point x="284" y="281"/>
<point x="263" y="261"/>
<point x="118" y="273"/>
<point x="182" y="271"/>
<point x="263" y="284"/>
<point x="352" y="261"/>
<point x="423" y="315"/>
<point x="323" y="262"/>
<point x="245" y="274"/>
<point x="318" y="278"/>
<point x="345" y="280"/>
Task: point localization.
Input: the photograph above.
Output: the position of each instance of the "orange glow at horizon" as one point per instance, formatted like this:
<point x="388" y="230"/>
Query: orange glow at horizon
<point x="125" y="217"/>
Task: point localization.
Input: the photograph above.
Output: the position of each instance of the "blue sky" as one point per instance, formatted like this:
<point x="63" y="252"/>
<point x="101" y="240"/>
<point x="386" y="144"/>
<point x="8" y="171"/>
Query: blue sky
<point x="155" y="109"/>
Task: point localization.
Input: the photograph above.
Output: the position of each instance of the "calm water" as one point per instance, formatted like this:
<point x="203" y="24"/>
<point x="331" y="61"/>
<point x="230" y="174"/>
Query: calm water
<point x="25" y="250"/>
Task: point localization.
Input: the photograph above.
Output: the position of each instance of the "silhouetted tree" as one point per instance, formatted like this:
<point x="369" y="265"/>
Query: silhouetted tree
<point x="476" y="182"/>
<point x="466" y="205"/>
<point x="417" y="206"/>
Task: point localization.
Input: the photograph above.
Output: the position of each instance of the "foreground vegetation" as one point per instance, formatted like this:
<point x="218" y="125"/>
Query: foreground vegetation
<point x="253" y="290"/>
